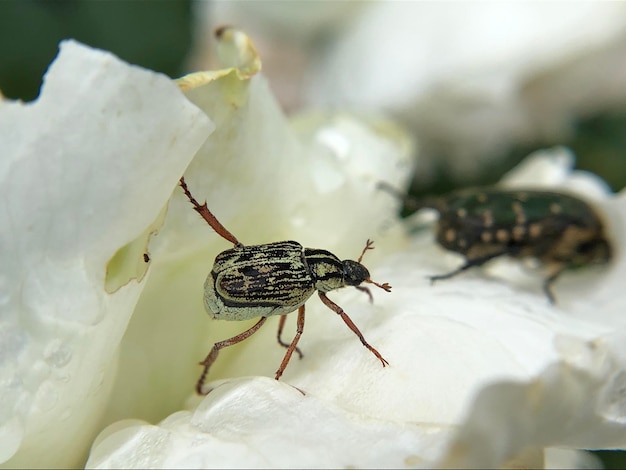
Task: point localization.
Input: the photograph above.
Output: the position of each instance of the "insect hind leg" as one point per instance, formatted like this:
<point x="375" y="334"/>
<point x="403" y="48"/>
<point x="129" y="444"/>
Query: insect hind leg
<point x="292" y="347"/>
<point x="212" y="356"/>
<point x="281" y="325"/>
<point x="208" y="216"/>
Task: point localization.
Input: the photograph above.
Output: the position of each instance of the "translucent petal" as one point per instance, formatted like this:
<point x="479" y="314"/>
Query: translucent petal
<point x="483" y="371"/>
<point x="85" y="170"/>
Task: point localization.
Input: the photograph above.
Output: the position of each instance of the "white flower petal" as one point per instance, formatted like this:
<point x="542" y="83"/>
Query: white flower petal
<point x="470" y="80"/>
<point x="564" y="406"/>
<point x="555" y="458"/>
<point x="471" y="336"/>
<point x="553" y="169"/>
<point x="444" y="343"/>
<point x="86" y="168"/>
<point x="277" y="428"/>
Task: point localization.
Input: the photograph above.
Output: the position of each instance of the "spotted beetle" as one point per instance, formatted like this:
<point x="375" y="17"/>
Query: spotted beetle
<point x="560" y="230"/>
<point x="274" y="279"/>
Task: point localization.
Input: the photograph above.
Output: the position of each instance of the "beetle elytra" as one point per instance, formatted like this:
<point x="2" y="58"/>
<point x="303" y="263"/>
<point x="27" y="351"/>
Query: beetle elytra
<point x="250" y="281"/>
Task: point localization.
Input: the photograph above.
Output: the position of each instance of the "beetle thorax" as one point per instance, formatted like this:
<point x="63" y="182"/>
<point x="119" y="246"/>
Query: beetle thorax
<point x="325" y="268"/>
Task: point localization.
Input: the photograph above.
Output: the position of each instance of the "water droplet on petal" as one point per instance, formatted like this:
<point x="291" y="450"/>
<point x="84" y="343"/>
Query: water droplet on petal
<point x="57" y="353"/>
<point x="47" y="396"/>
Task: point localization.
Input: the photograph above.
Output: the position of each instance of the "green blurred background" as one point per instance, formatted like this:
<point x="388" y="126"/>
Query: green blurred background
<point x="154" y="34"/>
<point x="157" y="34"/>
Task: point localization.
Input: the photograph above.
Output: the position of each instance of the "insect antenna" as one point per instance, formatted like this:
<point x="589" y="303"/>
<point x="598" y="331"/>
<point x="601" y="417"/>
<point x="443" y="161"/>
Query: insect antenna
<point x="369" y="245"/>
<point x="386" y="287"/>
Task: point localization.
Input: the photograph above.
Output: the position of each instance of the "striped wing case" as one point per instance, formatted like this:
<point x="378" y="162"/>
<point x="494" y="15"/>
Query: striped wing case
<point x="274" y="274"/>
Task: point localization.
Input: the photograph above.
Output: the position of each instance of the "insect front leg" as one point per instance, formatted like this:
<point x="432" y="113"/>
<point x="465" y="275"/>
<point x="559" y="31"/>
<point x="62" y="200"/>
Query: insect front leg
<point x="292" y="347"/>
<point x="367" y="291"/>
<point x="212" y="356"/>
<point x="469" y="263"/>
<point x="338" y="310"/>
<point x="281" y="325"/>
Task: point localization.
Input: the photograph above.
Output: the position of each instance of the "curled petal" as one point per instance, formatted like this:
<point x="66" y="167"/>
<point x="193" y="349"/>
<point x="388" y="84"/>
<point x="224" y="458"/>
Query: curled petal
<point x="85" y="171"/>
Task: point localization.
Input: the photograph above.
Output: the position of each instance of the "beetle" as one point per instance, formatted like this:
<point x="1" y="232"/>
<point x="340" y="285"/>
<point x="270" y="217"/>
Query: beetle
<point x="250" y="281"/>
<point x="560" y="230"/>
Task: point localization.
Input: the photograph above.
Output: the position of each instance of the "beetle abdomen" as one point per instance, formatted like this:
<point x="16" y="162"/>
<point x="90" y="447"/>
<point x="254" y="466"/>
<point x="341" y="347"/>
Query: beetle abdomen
<point x="541" y="224"/>
<point x="270" y="275"/>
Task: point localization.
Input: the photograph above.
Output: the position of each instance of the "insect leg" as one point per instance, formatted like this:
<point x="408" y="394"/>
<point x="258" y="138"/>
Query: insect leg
<point x="469" y="263"/>
<point x="281" y="325"/>
<point x="412" y="203"/>
<point x="367" y="291"/>
<point x="212" y="356"/>
<point x="294" y="342"/>
<point x="549" y="280"/>
<point x="338" y="310"/>
<point x="207" y="215"/>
